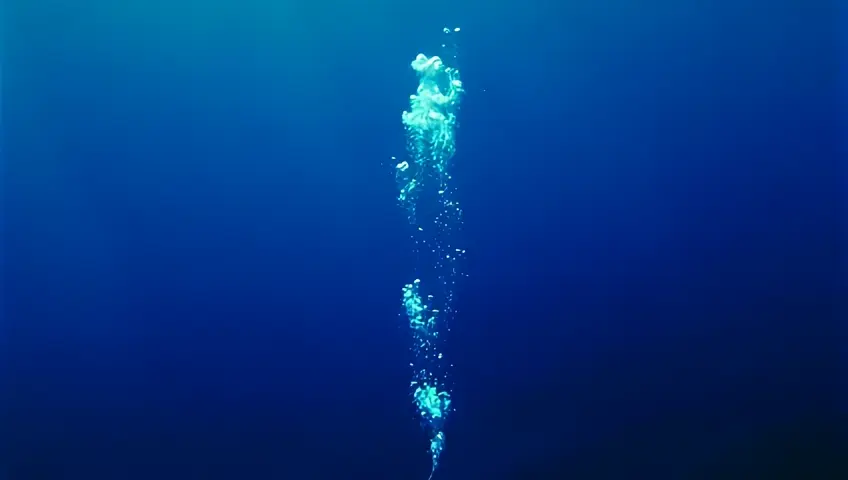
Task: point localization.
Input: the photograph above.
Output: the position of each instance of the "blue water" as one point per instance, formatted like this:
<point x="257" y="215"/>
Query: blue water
<point x="204" y="252"/>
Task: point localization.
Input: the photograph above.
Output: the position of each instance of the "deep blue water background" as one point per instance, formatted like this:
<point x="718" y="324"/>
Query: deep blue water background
<point x="203" y="252"/>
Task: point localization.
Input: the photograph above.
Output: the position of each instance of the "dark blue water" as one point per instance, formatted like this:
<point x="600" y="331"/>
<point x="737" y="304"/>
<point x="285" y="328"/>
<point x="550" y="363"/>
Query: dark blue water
<point x="204" y="255"/>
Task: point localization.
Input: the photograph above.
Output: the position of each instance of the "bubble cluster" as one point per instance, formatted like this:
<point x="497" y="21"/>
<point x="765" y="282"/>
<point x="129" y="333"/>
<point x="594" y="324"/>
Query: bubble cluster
<point x="427" y="194"/>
